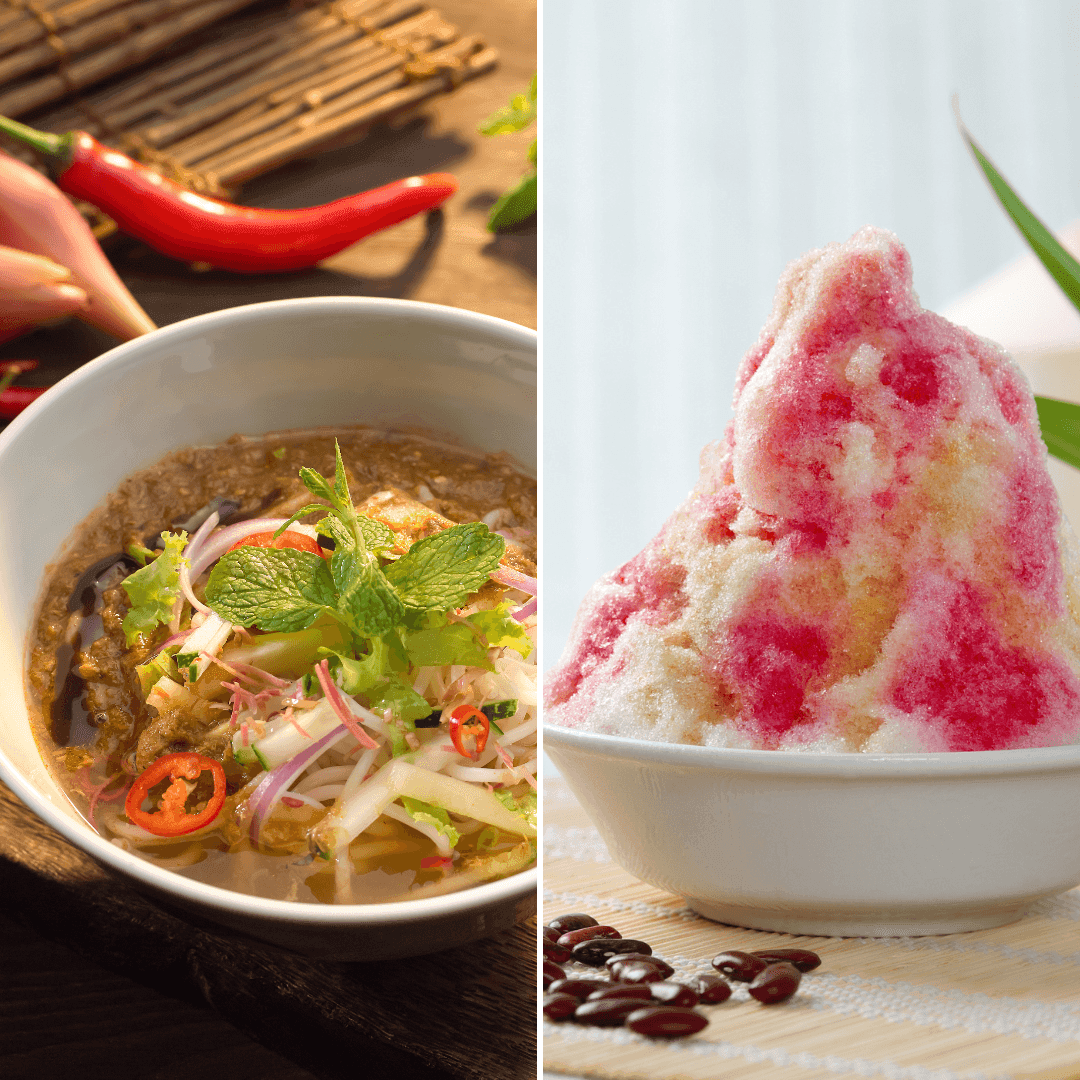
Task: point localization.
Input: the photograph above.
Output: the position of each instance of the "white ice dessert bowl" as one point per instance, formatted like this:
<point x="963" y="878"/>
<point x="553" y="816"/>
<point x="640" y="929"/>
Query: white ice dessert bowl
<point x="834" y="844"/>
<point x="280" y="365"/>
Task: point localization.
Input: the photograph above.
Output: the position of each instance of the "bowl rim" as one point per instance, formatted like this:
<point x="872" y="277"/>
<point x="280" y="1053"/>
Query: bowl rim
<point x="427" y="312"/>
<point x="830" y="765"/>
<point x="160" y="879"/>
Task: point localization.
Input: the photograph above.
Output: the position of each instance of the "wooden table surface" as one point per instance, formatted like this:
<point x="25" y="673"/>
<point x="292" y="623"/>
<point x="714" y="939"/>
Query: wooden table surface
<point x="95" y="979"/>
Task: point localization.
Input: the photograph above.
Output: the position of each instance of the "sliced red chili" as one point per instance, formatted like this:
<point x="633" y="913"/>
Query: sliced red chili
<point x="469" y="730"/>
<point x="297" y="540"/>
<point x="172" y="817"/>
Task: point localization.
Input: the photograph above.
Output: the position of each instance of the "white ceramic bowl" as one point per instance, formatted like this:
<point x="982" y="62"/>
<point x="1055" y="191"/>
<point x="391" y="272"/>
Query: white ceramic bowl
<point x="836" y="844"/>
<point x="285" y="364"/>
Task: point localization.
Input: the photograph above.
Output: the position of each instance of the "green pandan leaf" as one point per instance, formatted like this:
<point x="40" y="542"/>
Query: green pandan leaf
<point x="1063" y="268"/>
<point x="1060" y="425"/>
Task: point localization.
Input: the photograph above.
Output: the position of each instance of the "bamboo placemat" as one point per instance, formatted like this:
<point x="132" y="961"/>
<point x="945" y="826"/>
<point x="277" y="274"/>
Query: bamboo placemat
<point x="1001" y="1003"/>
<point x="254" y="92"/>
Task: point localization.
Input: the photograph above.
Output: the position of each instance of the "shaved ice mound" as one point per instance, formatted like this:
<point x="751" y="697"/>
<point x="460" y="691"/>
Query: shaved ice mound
<point x="873" y="558"/>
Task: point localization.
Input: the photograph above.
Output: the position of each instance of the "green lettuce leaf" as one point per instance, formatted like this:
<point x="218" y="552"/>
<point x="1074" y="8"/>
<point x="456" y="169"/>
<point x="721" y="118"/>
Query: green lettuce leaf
<point x="432" y="815"/>
<point x="153" y="589"/>
<point x="162" y="665"/>
<point x="525" y="806"/>
<point x="455" y="643"/>
<point x="358" y="676"/>
<point x="501" y="630"/>
<point x="401" y="699"/>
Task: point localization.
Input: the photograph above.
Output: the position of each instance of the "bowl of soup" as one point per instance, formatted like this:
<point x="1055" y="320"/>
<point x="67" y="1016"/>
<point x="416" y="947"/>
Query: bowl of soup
<point x="346" y="767"/>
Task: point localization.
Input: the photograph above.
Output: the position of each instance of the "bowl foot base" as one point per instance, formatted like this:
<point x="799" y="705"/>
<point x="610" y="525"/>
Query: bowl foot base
<point x="868" y="922"/>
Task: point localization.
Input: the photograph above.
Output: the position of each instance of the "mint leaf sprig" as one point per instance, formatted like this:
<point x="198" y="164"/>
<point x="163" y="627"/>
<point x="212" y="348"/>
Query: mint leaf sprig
<point x="381" y="605"/>
<point x="1059" y="421"/>
<point x="520" y="202"/>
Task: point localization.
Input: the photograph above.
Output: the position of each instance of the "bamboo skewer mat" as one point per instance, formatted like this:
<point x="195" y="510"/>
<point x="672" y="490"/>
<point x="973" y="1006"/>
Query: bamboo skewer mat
<point x="1001" y="1003"/>
<point x="267" y="87"/>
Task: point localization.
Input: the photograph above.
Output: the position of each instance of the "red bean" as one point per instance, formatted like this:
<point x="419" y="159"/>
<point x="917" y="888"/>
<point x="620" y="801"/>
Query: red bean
<point x="551" y="934"/>
<point x="621" y="990"/>
<point x="673" y="993"/>
<point x="610" y="1012"/>
<point x="711" y="989"/>
<point x="776" y="983"/>
<point x="551" y="973"/>
<point x="579" y="988"/>
<point x="586" y="933"/>
<point x="803" y="959"/>
<point x="740" y="966"/>
<point x="596" y="951"/>
<point x="613" y="963"/>
<point x="639" y="972"/>
<point x="555" y="952"/>
<point x="662" y="1021"/>
<point x="559" y="1006"/>
<point x="574" y="921"/>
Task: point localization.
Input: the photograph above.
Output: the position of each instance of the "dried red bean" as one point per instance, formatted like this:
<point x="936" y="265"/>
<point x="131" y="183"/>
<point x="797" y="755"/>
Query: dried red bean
<point x="551" y="973"/>
<point x="610" y="1012"/>
<point x="550" y="934"/>
<point x="559" y="1006"/>
<point x="621" y="990"/>
<point x="776" y="983"/>
<point x="579" y="988"/>
<point x="640" y="971"/>
<point x="740" y="966"/>
<point x="586" y="933"/>
<point x="596" y="951"/>
<point x="662" y="1021"/>
<point x="613" y="963"/>
<point x="803" y="959"/>
<point x="555" y="952"/>
<point x="673" y="993"/>
<point x="711" y="989"/>
<point x="574" y="921"/>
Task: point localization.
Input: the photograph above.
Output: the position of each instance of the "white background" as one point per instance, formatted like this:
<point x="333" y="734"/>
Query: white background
<point x="691" y="148"/>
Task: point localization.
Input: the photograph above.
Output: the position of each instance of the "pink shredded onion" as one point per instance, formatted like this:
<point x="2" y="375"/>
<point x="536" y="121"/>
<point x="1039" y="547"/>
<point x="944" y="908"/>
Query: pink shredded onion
<point x="191" y="551"/>
<point x="217" y="545"/>
<point x="276" y="782"/>
<point x="525" y="611"/>
<point x="514" y="579"/>
<point x="341" y="710"/>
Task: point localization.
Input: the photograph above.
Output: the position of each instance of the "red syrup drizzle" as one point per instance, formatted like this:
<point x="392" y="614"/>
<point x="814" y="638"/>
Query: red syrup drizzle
<point x="767" y="660"/>
<point x="650" y="587"/>
<point x="975" y="689"/>
<point x="1031" y="533"/>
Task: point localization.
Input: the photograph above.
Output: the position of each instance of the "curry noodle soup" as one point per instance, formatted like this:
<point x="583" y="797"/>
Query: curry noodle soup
<point x="302" y="674"/>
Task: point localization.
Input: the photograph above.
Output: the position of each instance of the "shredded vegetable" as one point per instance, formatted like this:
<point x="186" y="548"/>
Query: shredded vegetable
<point x="366" y="694"/>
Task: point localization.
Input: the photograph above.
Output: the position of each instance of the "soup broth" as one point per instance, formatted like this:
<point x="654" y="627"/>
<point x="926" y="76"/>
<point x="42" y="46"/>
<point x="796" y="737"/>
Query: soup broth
<point x="114" y="700"/>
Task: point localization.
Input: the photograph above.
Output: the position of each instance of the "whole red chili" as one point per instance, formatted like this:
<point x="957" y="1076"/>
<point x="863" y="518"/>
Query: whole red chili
<point x="196" y="228"/>
<point x="172" y="817"/>
<point x="469" y="730"/>
<point x="13" y="399"/>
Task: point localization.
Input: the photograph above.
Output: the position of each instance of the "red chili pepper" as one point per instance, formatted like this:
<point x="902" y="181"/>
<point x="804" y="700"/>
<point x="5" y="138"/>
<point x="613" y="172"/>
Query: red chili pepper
<point x="436" y="862"/>
<point x="469" y="725"/>
<point x="289" y="539"/>
<point x="195" y="228"/>
<point x="172" y="819"/>
<point x="15" y="398"/>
